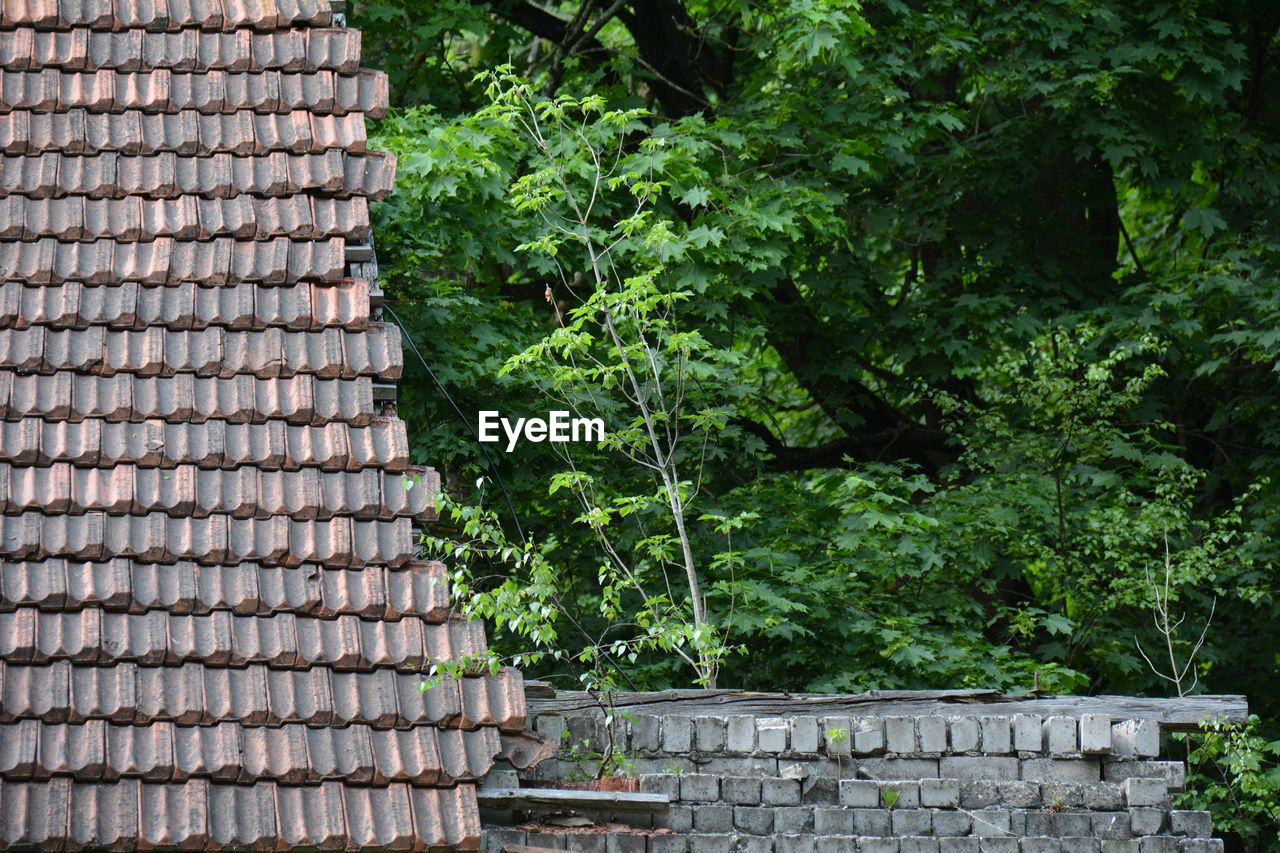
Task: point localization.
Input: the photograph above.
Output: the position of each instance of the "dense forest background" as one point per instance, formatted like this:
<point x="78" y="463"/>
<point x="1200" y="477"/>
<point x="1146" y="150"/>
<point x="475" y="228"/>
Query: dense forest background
<point x="965" y="313"/>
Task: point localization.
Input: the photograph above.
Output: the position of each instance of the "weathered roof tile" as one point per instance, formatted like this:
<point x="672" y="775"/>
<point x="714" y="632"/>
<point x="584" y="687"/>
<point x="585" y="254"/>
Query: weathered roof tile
<point x="205" y="528"/>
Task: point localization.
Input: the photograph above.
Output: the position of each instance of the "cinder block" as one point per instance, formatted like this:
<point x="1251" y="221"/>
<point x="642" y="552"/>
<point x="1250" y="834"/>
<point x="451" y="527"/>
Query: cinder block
<point x="625" y="842"/>
<point x="1080" y="845"/>
<point x="958" y="845"/>
<point x="1173" y="772"/>
<point x="795" y="770"/>
<point x="495" y="839"/>
<point x="721" y="844"/>
<point x="933" y="734"/>
<point x="1061" y="795"/>
<point x="900" y="735"/>
<point x="1110" y="826"/>
<point x="978" y="767"/>
<point x="940" y="793"/>
<point x="757" y="821"/>
<point x="899" y="768"/>
<point x="964" y="734"/>
<point x="916" y="844"/>
<point x="997" y="735"/>
<point x="998" y="844"/>
<point x="750" y="844"/>
<point x="837" y="736"/>
<point x="1146" y="821"/>
<point x="906" y="795"/>
<point x="951" y="823"/>
<point x="700" y="788"/>
<point x="646" y="733"/>
<point x="978" y="793"/>
<point x="1037" y="823"/>
<point x="1192" y="824"/>
<point x="859" y="793"/>
<point x="713" y="818"/>
<point x="1076" y="771"/>
<point x="780" y="792"/>
<point x="741" y="734"/>
<point x="1146" y="792"/>
<point x="832" y="820"/>
<point x="1160" y="844"/>
<point x="872" y="822"/>
<point x="1095" y="734"/>
<point x="667" y="842"/>
<point x="771" y="734"/>
<point x="738" y="765"/>
<point x="990" y="822"/>
<point x="1071" y="823"/>
<point x="1041" y="845"/>
<point x="836" y="844"/>
<point x="586" y="729"/>
<point x="661" y="783"/>
<point x="586" y="842"/>
<point x="676" y="819"/>
<point x="1202" y="845"/>
<point x="912" y="822"/>
<point x="708" y="733"/>
<point x="1061" y="735"/>
<point x="793" y="844"/>
<point x="1028" y="733"/>
<point x="1019" y="795"/>
<point x="804" y="735"/>
<point x="792" y="820"/>
<point x="1135" y="739"/>
<point x="1103" y="796"/>
<point x="740" y="790"/>
<point x="659" y="763"/>
<point x="677" y="733"/>
<point x="1118" y="845"/>
<point x="551" y="725"/>
<point x="878" y="845"/>
<point x="819" y="791"/>
<point x="868" y="736"/>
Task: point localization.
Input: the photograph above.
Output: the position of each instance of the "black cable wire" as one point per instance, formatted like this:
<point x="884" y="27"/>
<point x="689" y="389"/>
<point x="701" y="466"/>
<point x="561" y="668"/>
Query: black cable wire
<point x="493" y="469"/>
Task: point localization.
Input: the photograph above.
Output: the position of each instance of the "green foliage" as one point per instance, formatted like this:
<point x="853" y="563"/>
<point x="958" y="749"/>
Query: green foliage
<point x="1235" y="775"/>
<point x="972" y="308"/>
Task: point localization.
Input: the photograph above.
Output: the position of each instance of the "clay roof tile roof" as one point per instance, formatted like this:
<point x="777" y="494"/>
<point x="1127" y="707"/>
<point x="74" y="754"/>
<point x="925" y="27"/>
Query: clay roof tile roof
<point x="211" y="615"/>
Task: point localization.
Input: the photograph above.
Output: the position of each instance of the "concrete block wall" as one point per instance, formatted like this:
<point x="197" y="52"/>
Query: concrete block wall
<point x="887" y="784"/>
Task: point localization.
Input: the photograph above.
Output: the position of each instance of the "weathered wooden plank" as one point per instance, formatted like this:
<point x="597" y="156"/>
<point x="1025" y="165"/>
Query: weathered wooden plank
<point x="583" y="801"/>
<point x="538" y="690"/>
<point x="1172" y="714"/>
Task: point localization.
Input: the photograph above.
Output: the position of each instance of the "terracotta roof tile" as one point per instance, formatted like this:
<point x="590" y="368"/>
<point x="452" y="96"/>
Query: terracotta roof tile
<point x="122" y="51"/>
<point x="212" y="444"/>
<point x="371" y="174"/>
<point x="208" y="555"/>
<point x="44" y="809"/>
<point x="379" y="817"/>
<point x="242" y="816"/>
<point x="345" y="132"/>
<point x="337" y="49"/>
<point x="447" y="816"/>
<point x="172" y="816"/>
<point x="218" y="539"/>
<point x="35" y="692"/>
<point x="253" y="695"/>
<point x="17" y="50"/>
<point x="311" y="818"/>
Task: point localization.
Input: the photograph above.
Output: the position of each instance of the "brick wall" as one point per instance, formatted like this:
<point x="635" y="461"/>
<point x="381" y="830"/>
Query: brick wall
<point x="885" y="784"/>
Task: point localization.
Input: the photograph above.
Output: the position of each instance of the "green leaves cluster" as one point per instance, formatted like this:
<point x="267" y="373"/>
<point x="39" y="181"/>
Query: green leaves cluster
<point x="1235" y="776"/>
<point x="972" y="308"/>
